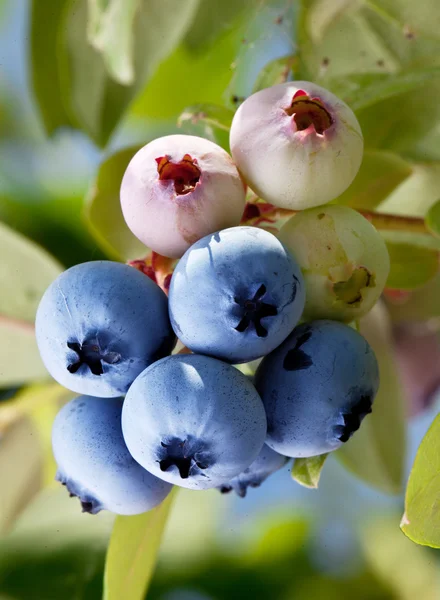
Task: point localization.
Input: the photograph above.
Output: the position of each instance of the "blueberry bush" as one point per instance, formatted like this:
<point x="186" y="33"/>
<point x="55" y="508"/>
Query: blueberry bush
<point x="220" y="223"/>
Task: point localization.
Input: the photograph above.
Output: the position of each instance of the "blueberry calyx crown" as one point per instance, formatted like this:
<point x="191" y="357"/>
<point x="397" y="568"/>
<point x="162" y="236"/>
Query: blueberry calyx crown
<point x="88" y="504"/>
<point x="90" y="354"/>
<point x="185" y="173"/>
<point x="187" y="455"/>
<point x="353" y="418"/>
<point x="296" y="359"/>
<point x="240" y="487"/>
<point x="307" y="111"/>
<point x="254" y="310"/>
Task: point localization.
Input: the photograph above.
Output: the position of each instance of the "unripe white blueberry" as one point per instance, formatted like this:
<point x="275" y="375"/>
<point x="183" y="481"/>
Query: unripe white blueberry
<point x="296" y="144"/>
<point x="343" y="258"/>
<point x="179" y="188"/>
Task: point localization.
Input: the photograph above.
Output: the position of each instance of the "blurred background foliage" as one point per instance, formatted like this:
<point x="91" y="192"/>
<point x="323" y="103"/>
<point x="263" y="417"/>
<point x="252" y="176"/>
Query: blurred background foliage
<point x="82" y="85"/>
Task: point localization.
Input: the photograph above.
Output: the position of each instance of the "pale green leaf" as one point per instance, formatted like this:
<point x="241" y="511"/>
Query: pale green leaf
<point x="406" y="570"/>
<point x="132" y="552"/>
<point x="213" y="19"/>
<point x="276" y="71"/>
<point x="421" y="521"/>
<point x="376" y="453"/>
<point x="213" y="115"/>
<point x="380" y="173"/>
<point x="410" y="266"/>
<point x="420" y="304"/>
<point x="25" y="273"/>
<point x="417" y="194"/>
<point x="110" y="22"/>
<point x="307" y="471"/>
<point x="177" y="82"/>
<point x="103" y="213"/>
<point x="433" y="218"/>
<point x="97" y="101"/>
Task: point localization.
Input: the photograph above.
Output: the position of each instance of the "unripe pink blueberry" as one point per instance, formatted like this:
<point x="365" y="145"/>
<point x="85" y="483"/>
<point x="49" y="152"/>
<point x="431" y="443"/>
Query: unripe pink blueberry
<point x="179" y="188"/>
<point x="296" y="144"/>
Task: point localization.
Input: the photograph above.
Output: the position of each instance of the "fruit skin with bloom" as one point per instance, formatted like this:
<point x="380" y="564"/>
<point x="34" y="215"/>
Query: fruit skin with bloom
<point x="194" y="421"/>
<point x="343" y="258"/>
<point x="179" y="188"/>
<point x="266" y="463"/>
<point x="316" y="388"/>
<point x="296" y="144"/>
<point x="236" y="295"/>
<point x="101" y="323"/>
<point x="94" y="462"/>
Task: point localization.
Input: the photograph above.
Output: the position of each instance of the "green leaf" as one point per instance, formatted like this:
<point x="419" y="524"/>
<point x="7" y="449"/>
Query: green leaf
<point x="213" y="19"/>
<point x="432" y="219"/>
<point x="376" y="453"/>
<point x="103" y="213"/>
<point x="276" y="71"/>
<point x="307" y="471"/>
<point x="421" y="521"/>
<point x="383" y="58"/>
<point x="380" y="173"/>
<point x="45" y="20"/>
<point x="107" y="23"/>
<point x="25" y="273"/>
<point x="208" y="120"/>
<point x="176" y="83"/>
<point x="77" y="87"/>
<point x="132" y="552"/>
<point x="410" y="266"/>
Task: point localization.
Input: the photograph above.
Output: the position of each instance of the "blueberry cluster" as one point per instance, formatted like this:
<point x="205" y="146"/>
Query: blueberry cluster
<point x="148" y="419"/>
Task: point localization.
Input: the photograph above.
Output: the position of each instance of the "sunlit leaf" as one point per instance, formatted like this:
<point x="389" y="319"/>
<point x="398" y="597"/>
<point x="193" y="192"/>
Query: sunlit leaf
<point x="407" y="571"/>
<point x="103" y="212"/>
<point x="380" y="173"/>
<point x="77" y="83"/>
<point x="176" y="83"/>
<point x="376" y="453"/>
<point x="416" y="305"/>
<point x="307" y="471"/>
<point x="208" y="120"/>
<point x="110" y="22"/>
<point x="411" y="266"/>
<point x="25" y="272"/>
<point x="417" y="194"/>
<point x="132" y="553"/>
<point x="421" y="521"/>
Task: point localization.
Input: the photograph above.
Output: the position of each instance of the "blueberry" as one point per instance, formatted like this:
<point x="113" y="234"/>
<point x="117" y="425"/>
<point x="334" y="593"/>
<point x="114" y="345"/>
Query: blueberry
<point x="316" y="388"/>
<point x="194" y="421"/>
<point x="266" y="463"/>
<point x="94" y="463"/>
<point x="99" y="324"/>
<point x="236" y="294"/>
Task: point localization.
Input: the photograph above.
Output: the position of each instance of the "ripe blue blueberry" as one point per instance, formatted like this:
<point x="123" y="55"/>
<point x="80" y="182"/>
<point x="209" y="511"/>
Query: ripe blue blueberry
<point x="236" y="294"/>
<point x="316" y="388"/>
<point x="94" y="463"/>
<point x="99" y="324"/>
<point x="266" y="463"/>
<point x="193" y="421"/>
